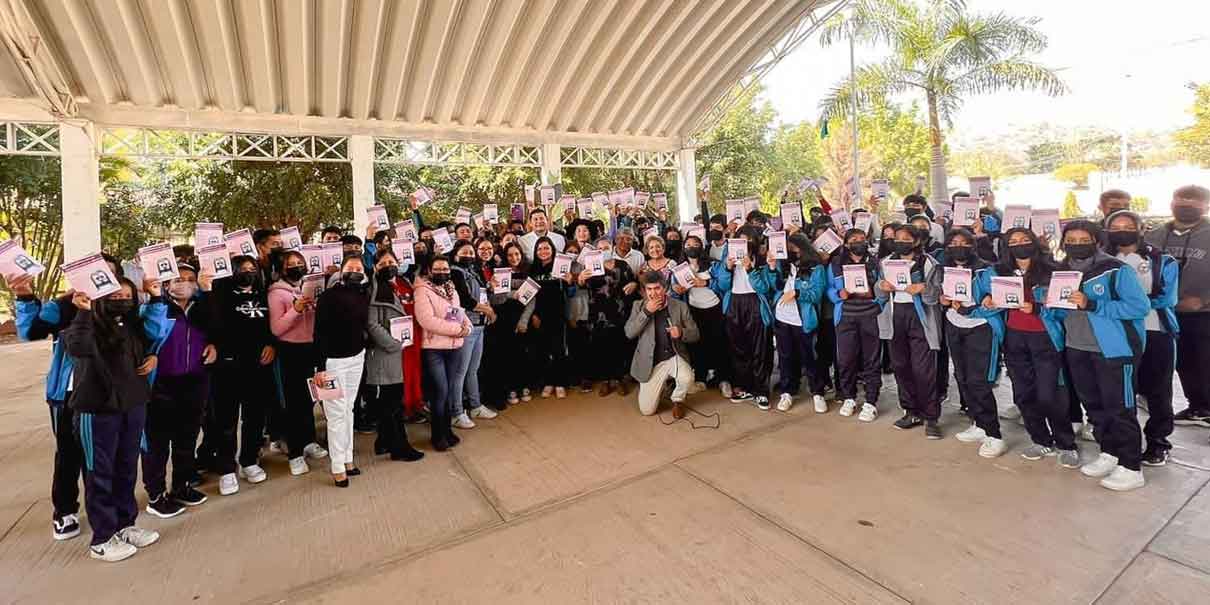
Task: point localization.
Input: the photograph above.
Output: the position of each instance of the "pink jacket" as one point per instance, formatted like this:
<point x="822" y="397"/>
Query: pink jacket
<point x="431" y="310"/>
<point x="287" y="324"/>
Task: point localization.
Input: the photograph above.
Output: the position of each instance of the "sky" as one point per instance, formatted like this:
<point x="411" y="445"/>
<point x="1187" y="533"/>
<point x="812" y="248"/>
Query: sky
<point x="1126" y="63"/>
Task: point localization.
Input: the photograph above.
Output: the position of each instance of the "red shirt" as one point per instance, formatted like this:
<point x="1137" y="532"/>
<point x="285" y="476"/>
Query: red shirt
<point x="1022" y="321"/>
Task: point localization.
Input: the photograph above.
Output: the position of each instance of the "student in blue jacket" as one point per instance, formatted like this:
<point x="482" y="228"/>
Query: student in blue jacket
<point x="37" y="320"/>
<point x="801" y="282"/>
<point x="1104" y="337"/>
<point x="974" y="335"/>
<point x="747" y="288"/>
<point x="1159" y="276"/>
<point x="855" y="314"/>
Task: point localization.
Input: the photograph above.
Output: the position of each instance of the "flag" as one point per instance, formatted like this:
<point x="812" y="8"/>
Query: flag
<point x="823" y="130"/>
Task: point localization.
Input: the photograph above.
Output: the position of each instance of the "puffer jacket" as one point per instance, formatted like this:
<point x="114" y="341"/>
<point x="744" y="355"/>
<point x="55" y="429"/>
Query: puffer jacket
<point x="431" y="311"/>
<point x="287" y="324"/>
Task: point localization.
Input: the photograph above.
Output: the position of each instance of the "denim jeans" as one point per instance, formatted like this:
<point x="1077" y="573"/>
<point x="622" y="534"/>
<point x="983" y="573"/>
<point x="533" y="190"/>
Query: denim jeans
<point x="446" y="372"/>
<point x="471" y="353"/>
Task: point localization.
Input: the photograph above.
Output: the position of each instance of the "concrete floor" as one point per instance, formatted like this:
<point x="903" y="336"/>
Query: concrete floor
<point x="583" y="500"/>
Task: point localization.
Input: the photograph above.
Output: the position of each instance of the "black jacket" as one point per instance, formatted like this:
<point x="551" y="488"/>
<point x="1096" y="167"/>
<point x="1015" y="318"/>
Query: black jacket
<point x="340" y="322"/>
<point x="106" y="382"/>
<point x="242" y="330"/>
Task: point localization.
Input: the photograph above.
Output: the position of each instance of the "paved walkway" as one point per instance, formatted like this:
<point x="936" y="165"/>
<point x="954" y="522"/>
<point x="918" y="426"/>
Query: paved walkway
<point x="583" y="500"/>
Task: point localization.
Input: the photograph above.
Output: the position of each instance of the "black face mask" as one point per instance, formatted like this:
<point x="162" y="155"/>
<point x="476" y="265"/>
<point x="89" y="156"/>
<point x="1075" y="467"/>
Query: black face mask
<point x="245" y="279"/>
<point x="713" y="236"/>
<point x="118" y="307"/>
<point x="352" y="278"/>
<point x="1022" y="251"/>
<point x="1123" y="238"/>
<point x="958" y="253"/>
<point x="439" y="279"/>
<point x="902" y="248"/>
<point x="672" y="248"/>
<point x="912" y="211"/>
<point x="295" y="273"/>
<point x="693" y="252"/>
<point x="1080" y="251"/>
<point x="465" y="262"/>
<point x="859" y="248"/>
<point x="387" y="273"/>
<point x="275" y="257"/>
<point x="1186" y="214"/>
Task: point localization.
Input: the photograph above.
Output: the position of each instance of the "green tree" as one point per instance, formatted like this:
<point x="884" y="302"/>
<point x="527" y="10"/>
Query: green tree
<point x="1194" y="141"/>
<point x="943" y="51"/>
<point x="1076" y="174"/>
<point x="1140" y="204"/>
<point x="794" y="154"/>
<point x="1071" y="207"/>
<point x="983" y="161"/>
<point x="31" y="212"/>
<point x="895" y="143"/>
<point x="736" y="153"/>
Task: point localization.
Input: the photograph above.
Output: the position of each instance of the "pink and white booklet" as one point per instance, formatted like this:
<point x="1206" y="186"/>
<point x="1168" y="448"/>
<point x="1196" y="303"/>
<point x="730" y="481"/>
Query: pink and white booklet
<point x="956" y="284"/>
<point x="91" y="276"/>
<point x="14" y="261"/>
<point x="1062" y="285"/>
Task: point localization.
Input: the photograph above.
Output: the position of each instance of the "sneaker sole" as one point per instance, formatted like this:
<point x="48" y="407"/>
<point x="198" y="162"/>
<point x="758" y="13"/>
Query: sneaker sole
<point x="194" y="503"/>
<point x="230" y="493"/>
<point x="1154" y="464"/>
<point x="959" y="437"/>
<point x="934" y="437"/>
<point x="860" y="419"/>
<point x="1071" y="466"/>
<point x="259" y="479"/>
<point x="155" y="513"/>
<point x="92" y="553"/>
<point x="66" y="536"/>
<point x="1123" y="488"/>
<point x="1096" y="475"/>
<point x="991" y="455"/>
<point x="1201" y="423"/>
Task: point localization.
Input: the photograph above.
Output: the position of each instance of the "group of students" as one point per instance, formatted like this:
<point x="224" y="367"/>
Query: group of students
<point x="140" y="374"/>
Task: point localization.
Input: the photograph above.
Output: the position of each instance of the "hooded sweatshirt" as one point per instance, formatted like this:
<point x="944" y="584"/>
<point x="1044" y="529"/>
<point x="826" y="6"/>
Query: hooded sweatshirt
<point x="1191" y="249"/>
<point x="287" y="324"/>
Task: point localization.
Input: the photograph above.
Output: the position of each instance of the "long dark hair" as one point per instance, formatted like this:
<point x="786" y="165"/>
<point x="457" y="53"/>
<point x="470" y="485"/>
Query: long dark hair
<point x="808" y="256"/>
<point x="537" y="266"/>
<point x="974" y="261"/>
<point x="1040" y="266"/>
<point x="109" y="330"/>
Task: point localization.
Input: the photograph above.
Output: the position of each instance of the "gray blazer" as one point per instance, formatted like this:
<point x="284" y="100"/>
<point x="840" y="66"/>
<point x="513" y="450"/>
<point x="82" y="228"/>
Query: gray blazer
<point x="384" y="363"/>
<point x="640" y="326"/>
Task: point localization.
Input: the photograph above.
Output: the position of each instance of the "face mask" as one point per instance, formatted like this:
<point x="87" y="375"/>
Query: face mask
<point x="465" y="261"/>
<point x="1123" y="238"/>
<point x="859" y="248"/>
<point x="958" y="253"/>
<point x="911" y="211"/>
<point x="902" y="248"/>
<point x="714" y="236"/>
<point x="1186" y="214"/>
<point x="1021" y="251"/>
<point x="295" y="273"/>
<point x="182" y="290"/>
<point x="117" y="307"/>
<point x="693" y="252"/>
<point x="1080" y="251"/>
<point x="352" y="278"/>
<point x="387" y="273"/>
<point x="439" y="279"/>
<point x="672" y="248"/>
<point x="245" y="279"/>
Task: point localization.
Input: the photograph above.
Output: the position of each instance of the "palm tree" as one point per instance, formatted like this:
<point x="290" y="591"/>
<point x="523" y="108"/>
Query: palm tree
<point x="943" y="50"/>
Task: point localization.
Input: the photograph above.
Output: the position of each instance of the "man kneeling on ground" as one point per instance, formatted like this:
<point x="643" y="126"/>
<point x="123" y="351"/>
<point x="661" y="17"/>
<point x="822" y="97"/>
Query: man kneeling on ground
<point x="662" y="326"/>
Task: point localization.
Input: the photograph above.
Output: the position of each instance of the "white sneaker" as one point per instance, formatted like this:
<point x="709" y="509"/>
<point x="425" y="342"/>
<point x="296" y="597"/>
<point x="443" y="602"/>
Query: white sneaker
<point x="724" y="388"/>
<point x="228" y="484"/>
<point x="1010" y="412"/>
<point x="253" y="474"/>
<point x="547" y="390"/>
<point x="973" y="434"/>
<point x="784" y="402"/>
<point x="512" y="398"/>
<point x="1101" y="466"/>
<point x="992" y="448"/>
<point x="462" y="421"/>
<point x="1123" y="479"/>
<point x="868" y="413"/>
<point x="483" y="412"/>
<point x="525" y="395"/>
<point x="821" y="404"/>
<point x="846" y="408"/>
<point x="315" y="452"/>
<point x="1085" y="433"/>
<point x="298" y="466"/>
<point x="560" y="393"/>
<point x="112" y="551"/>
<point x="279" y="447"/>
<point x="138" y="537"/>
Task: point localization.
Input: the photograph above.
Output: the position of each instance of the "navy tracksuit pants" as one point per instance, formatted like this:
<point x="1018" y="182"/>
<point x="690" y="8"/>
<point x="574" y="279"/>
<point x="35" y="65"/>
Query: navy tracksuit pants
<point x="1034" y="366"/>
<point x="858" y="353"/>
<point x="971" y="350"/>
<point x="110" y="444"/>
<point x="915" y="364"/>
<point x="1155" y="383"/>
<point x="1106" y="386"/>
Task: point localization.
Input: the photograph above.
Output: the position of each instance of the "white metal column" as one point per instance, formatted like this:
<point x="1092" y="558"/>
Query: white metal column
<point x="686" y="184"/>
<point x="81" y="189"/>
<point x="552" y="163"/>
<point x="361" y="156"/>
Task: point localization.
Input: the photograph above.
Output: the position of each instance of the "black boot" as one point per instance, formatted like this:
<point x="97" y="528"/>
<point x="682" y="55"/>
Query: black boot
<point x="400" y="448"/>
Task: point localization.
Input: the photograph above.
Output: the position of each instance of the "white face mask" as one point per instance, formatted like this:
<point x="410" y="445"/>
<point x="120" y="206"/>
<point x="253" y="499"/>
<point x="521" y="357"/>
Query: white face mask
<point x="182" y="290"/>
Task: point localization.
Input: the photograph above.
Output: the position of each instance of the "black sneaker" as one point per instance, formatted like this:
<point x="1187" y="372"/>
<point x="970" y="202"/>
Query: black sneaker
<point x="738" y="396"/>
<point x="1155" y="457"/>
<point x="195" y="479"/>
<point x="909" y="421"/>
<point x="761" y="402"/>
<point x="932" y="430"/>
<point x="164" y="507"/>
<point x="65" y="527"/>
<point x="1192" y="417"/>
<point x="189" y="496"/>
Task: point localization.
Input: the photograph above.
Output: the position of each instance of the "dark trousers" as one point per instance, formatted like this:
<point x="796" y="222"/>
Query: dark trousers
<point x="297" y="365"/>
<point x="550" y="351"/>
<point x="578" y="353"/>
<point x="507" y="364"/>
<point x="858" y="350"/>
<point x="710" y="351"/>
<point x="174" y="418"/>
<point x="1155" y="383"/>
<point x="605" y="357"/>
<point x="65" y="480"/>
<point x="971" y="350"/>
<point x="751" y="343"/>
<point x="825" y="350"/>
<point x="1034" y="367"/>
<point x="110" y="447"/>
<point x="385" y="401"/>
<point x="795" y="359"/>
<point x="443" y="367"/>
<point x="915" y="364"/>
<point x="1193" y="359"/>
<point x="237" y="387"/>
<point x="943" y="363"/>
<point x="1106" y="386"/>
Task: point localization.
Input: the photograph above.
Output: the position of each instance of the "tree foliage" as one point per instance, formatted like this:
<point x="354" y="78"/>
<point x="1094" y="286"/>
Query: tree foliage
<point x="1194" y="141"/>
<point x="31" y="212"/>
<point x="736" y="153"/>
<point x="1076" y="174"/>
<point x="1071" y="207"/>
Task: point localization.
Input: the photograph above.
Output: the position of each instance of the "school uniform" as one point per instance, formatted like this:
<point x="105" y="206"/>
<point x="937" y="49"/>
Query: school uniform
<point x="1033" y="355"/>
<point x="974" y="336"/>
<point x="709" y="353"/>
<point x="748" y="311"/>
<point x="1103" y="343"/>
<point x="858" y="346"/>
<point x="916" y="339"/>
<point x="795" y="324"/>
